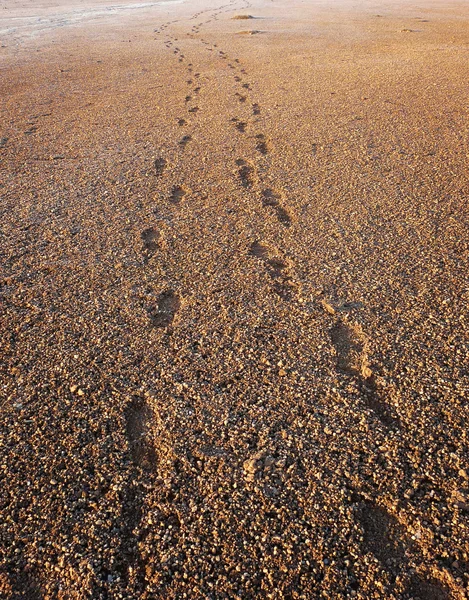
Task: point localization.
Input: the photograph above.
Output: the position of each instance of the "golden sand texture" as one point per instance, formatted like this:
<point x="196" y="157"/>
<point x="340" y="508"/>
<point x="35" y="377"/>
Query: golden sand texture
<point x="234" y="292"/>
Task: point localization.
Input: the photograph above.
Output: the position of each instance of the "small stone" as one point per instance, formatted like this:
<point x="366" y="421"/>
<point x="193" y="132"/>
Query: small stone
<point x="366" y="372"/>
<point x="80" y="392"/>
<point x="328" y="307"/>
<point x="73" y="388"/>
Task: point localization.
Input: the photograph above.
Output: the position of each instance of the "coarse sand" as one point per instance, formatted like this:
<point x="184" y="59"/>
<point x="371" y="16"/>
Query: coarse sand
<point x="234" y="286"/>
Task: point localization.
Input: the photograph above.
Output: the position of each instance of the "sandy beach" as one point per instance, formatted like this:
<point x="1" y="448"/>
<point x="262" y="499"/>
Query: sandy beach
<point x="234" y="246"/>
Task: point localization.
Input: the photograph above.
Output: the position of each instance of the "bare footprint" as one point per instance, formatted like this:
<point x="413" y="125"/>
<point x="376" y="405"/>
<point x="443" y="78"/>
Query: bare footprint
<point x="160" y="165"/>
<point x="182" y="122"/>
<point x="261" y="144"/>
<point x="349" y="344"/>
<point x="177" y="194"/>
<point x="256" y="109"/>
<point x="383" y="535"/>
<point x="278" y="269"/>
<point x="240" y="97"/>
<point x="139" y="418"/>
<point x="194" y="109"/>
<point x="352" y="358"/>
<point x="272" y="199"/>
<point x="185" y="140"/>
<point x="241" y="126"/>
<point x="420" y="588"/>
<point x="167" y="305"/>
<point x="150" y="242"/>
<point x="246" y="173"/>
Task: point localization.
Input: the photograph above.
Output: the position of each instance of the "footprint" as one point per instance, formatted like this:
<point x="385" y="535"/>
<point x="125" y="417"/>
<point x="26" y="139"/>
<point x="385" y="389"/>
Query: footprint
<point x="150" y="242"/>
<point x="246" y="86"/>
<point x="383" y="535"/>
<point x="182" y="122"/>
<point x="197" y="90"/>
<point x="423" y="589"/>
<point x="256" y="109"/>
<point x="139" y="418"/>
<point x="241" y="98"/>
<point x="177" y="194"/>
<point x="167" y="305"/>
<point x="160" y="165"/>
<point x="352" y="359"/>
<point x="261" y="144"/>
<point x="185" y="140"/>
<point x="194" y="109"/>
<point x="373" y="401"/>
<point x="349" y="344"/>
<point x="241" y="126"/>
<point x="271" y="198"/>
<point x="188" y="98"/>
<point x="246" y="173"/>
<point x="278" y="270"/>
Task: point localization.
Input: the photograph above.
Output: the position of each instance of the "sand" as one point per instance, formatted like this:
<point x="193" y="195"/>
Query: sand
<point x="234" y="285"/>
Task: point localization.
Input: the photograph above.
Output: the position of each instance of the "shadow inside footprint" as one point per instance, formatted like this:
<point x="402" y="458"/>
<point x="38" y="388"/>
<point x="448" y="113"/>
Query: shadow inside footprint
<point x="150" y="241"/>
<point x="139" y="418"/>
<point x="422" y="589"/>
<point x="373" y="401"/>
<point x="241" y="126"/>
<point x="184" y="141"/>
<point x="246" y="173"/>
<point x="167" y="305"/>
<point x="383" y="535"/>
<point x="261" y="144"/>
<point x="272" y="198"/>
<point x="177" y="194"/>
<point x="160" y="165"/>
<point x="278" y="270"/>
<point x="349" y="347"/>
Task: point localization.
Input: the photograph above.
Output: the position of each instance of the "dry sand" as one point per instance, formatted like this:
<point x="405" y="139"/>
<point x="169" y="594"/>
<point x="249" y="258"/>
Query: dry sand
<point x="234" y="300"/>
